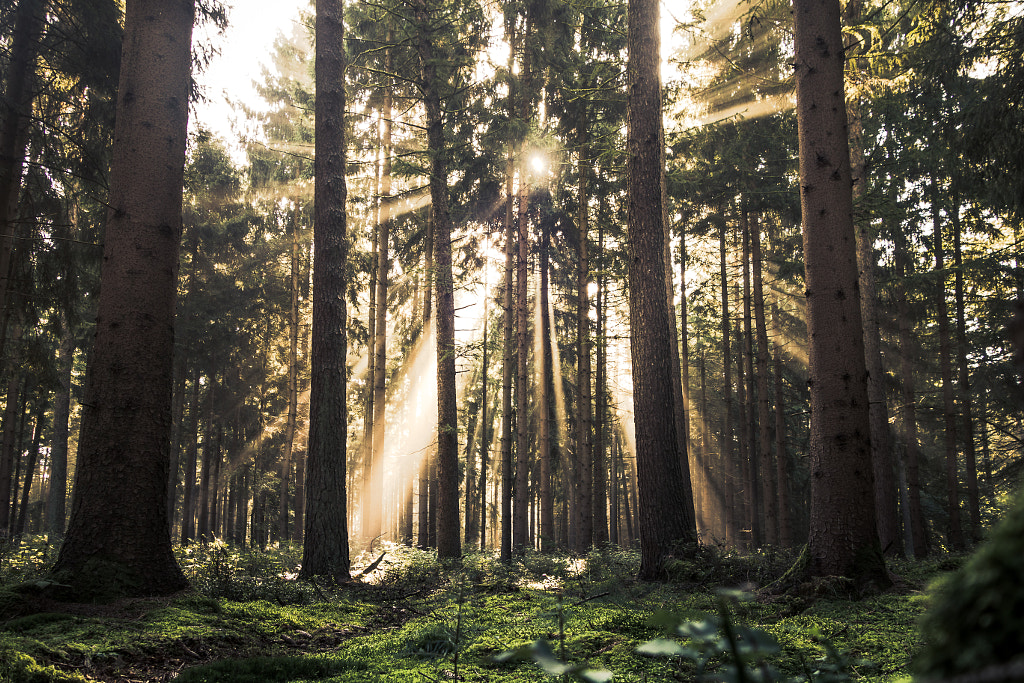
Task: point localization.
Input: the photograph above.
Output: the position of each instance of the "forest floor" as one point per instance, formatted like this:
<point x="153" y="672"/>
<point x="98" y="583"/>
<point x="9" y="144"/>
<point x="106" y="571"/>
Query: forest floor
<point x="548" y="617"/>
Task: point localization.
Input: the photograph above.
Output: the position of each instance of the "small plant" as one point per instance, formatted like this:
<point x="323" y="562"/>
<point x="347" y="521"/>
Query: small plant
<point x="743" y="653"/>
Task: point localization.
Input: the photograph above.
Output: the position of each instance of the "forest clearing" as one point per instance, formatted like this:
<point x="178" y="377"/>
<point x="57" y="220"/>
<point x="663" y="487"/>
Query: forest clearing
<point x="512" y="339"/>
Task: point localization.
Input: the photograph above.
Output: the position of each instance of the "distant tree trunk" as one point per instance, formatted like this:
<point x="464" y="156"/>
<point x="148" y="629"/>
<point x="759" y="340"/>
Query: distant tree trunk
<point x="600" y="488"/>
<point x="679" y="393"/>
<point x="325" y="544"/>
<point x="367" y="447"/>
<point x="424" y="529"/>
<point x="545" y="492"/>
<point x="15" y="115"/>
<point x="293" y="382"/>
<point x="30" y="467"/>
<point x="908" y="358"/>
<point x="764" y="447"/>
<point x="188" y="505"/>
<point x="663" y="491"/>
<point x="121" y="545"/>
<point x="56" y="508"/>
<point x="521" y="488"/>
<point x="955" y="532"/>
<point x="966" y="410"/>
<point x="507" y="372"/>
<point x="726" y="478"/>
<point x="843" y="537"/>
<point x="781" y="458"/>
<point x="448" y="536"/>
<point x="749" y="433"/>
<point x="205" y="480"/>
<point x="584" y="402"/>
<point x="697" y="455"/>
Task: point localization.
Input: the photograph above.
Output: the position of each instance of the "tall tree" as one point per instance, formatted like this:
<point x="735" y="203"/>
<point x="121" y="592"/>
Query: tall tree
<point x="122" y="545"/>
<point x="663" y="519"/>
<point x="325" y="546"/>
<point x="843" y="540"/>
<point x="448" y="541"/>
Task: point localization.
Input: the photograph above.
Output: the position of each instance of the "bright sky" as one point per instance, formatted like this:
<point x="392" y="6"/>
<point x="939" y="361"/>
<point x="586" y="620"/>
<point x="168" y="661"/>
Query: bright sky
<point x="245" y="50"/>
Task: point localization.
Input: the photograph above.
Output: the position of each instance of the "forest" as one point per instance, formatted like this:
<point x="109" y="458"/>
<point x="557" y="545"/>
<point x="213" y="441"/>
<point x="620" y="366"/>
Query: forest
<point x="514" y="339"/>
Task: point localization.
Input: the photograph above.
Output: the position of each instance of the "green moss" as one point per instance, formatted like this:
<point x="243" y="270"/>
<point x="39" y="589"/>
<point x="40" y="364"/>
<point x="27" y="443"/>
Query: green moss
<point x="268" y="670"/>
<point x="977" y="618"/>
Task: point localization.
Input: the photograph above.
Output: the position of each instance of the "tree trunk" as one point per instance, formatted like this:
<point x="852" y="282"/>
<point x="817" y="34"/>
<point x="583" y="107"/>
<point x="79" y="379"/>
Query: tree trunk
<point x="909" y="412"/>
<point x="293" y="382"/>
<point x="325" y="545"/>
<point x="966" y="410"/>
<point x="726" y="478"/>
<point x="663" y="500"/>
<point x="448" y="536"/>
<point x="600" y="488"/>
<point x="584" y="462"/>
<point x="507" y="372"/>
<point x="955" y="534"/>
<point x="749" y="432"/>
<point x="188" y="505"/>
<point x="764" y="447"/>
<point x="30" y="468"/>
<point x="545" y="492"/>
<point x="56" y="499"/>
<point x="121" y="545"/>
<point x="15" y="115"/>
<point x="843" y="537"/>
<point x="781" y="457"/>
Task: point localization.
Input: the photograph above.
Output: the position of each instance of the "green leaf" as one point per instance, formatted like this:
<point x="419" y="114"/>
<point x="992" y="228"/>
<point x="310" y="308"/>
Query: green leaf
<point x="663" y="647"/>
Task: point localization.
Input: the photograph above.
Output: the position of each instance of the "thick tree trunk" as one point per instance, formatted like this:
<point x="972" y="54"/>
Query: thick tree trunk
<point x="325" y="544"/>
<point x="843" y="536"/>
<point x="665" y="526"/>
<point x="121" y="545"/>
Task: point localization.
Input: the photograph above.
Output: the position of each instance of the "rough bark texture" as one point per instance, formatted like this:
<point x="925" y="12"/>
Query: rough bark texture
<point x="325" y="544"/>
<point x="843" y="540"/>
<point x="121" y="545"/>
<point x="662" y="514"/>
<point x="448" y="538"/>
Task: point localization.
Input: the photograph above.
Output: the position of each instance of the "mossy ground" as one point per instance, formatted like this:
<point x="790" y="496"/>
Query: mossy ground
<point x="248" y="619"/>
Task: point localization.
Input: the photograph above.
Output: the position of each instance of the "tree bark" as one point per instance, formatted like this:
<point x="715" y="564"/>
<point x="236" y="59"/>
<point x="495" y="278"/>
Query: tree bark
<point x="121" y="545"/>
<point x="664" y="524"/>
<point x="56" y="500"/>
<point x="764" y="448"/>
<point x="448" y="537"/>
<point x="325" y="545"/>
<point x="843" y="537"/>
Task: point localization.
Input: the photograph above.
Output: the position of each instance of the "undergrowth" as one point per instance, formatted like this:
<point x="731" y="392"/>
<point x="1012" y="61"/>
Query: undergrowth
<point x="554" y="616"/>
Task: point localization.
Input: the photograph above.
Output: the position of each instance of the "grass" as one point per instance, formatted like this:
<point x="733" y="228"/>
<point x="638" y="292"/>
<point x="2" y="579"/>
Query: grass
<point x="248" y="619"/>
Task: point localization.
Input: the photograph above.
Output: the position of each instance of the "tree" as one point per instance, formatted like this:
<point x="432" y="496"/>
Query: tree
<point x="448" y="542"/>
<point x="843" y="540"/>
<point x="121" y="545"/>
<point x="325" y="546"/>
<point x="662" y="509"/>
